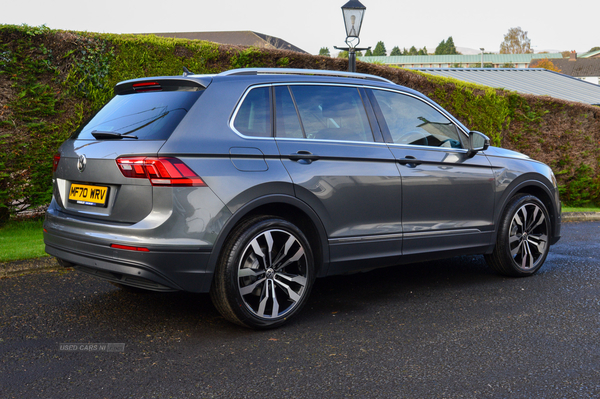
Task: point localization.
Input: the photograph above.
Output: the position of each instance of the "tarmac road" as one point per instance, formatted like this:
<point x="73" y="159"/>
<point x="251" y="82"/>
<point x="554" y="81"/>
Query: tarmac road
<point x="449" y="329"/>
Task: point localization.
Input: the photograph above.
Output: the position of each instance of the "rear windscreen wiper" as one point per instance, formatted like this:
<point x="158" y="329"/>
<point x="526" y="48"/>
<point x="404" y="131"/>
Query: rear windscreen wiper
<point x="111" y="135"/>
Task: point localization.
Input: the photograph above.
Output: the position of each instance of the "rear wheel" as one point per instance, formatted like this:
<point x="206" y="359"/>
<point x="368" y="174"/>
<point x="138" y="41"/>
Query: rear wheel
<point x="265" y="273"/>
<point x="522" y="243"/>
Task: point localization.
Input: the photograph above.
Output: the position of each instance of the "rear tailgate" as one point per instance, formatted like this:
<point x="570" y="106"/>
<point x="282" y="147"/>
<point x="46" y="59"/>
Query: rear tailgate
<point x="134" y="125"/>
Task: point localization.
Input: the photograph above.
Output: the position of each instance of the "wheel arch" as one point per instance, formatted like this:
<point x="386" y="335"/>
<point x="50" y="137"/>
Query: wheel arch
<point x="288" y="208"/>
<point x="537" y="189"/>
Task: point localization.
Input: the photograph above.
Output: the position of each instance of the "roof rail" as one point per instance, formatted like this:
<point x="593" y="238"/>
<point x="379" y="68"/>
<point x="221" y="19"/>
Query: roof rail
<point x="290" y="71"/>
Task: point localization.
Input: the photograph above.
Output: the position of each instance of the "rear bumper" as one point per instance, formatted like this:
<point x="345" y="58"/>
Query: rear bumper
<point x="155" y="270"/>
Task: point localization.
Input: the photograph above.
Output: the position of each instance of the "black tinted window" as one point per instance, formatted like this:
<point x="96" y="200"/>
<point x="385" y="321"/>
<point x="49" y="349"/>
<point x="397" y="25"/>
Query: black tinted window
<point x="411" y="121"/>
<point x="332" y="113"/>
<point x="148" y="116"/>
<point x="254" y="115"/>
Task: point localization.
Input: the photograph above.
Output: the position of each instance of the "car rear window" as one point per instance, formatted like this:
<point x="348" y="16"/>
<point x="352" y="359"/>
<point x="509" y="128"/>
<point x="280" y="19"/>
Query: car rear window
<point x="147" y="116"/>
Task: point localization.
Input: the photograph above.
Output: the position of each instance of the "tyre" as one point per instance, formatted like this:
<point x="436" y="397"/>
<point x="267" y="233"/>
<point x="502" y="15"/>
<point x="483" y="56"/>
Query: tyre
<point x="522" y="242"/>
<point x="264" y="274"/>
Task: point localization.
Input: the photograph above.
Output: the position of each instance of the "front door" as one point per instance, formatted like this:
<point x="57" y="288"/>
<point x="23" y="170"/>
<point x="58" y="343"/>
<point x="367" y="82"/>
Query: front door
<point x="447" y="197"/>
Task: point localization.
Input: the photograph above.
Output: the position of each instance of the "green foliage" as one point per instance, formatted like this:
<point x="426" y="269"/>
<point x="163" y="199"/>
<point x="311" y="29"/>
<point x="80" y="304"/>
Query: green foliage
<point x="368" y="53"/>
<point x="88" y="76"/>
<point x="283" y="62"/>
<point x="379" y="50"/>
<point x="249" y="57"/>
<point x="33" y="118"/>
<point x="446" y="47"/>
<point x="582" y="189"/>
<point x="413" y="51"/>
<point x="49" y="106"/>
<point x="324" y="51"/>
<point x="396" y="51"/>
<point x="49" y="89"/>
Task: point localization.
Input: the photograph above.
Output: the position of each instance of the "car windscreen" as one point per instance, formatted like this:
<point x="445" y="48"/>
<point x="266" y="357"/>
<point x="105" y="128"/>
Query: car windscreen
<point x="142" y="116"/>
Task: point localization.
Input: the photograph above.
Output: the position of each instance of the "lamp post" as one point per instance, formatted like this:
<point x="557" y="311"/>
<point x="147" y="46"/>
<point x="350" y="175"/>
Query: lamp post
<point x="481" y="48"/>
<point x="353" y="12"/>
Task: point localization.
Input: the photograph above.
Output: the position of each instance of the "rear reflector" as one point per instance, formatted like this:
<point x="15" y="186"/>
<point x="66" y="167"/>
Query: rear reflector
<point x="55" y="162"/>
<point x="162" y="171"/>
<point x="128" y="248"/>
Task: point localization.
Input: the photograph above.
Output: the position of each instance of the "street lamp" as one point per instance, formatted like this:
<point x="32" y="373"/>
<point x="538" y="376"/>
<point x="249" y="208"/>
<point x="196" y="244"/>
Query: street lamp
<point x="481" y="48"/>
<point x="353" y="12"/>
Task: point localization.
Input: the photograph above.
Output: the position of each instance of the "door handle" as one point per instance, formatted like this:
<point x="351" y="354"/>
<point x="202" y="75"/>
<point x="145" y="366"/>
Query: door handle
<point x="303" y="157"/>
<point x="409" y="161"/>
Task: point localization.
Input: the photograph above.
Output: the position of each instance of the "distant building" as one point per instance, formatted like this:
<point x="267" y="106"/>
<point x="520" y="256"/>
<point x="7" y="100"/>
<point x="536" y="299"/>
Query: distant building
<point x="587" y="69"/>
<point x="540" y="82"/>
<point x="591" y="54"/>
<point x="461" y="61"/>
<point x="236" y="38"/>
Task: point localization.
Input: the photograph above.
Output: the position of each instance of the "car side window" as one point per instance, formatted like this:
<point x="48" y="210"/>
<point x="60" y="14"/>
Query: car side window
<point x="326" y="113"/>
<point x="254" y="115"/>
<point x="287" y="123"/>
<point x="414" y="122"/>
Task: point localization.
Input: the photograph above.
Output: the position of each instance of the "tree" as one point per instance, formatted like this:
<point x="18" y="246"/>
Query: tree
<point x="516" y="42"/>
<point x="324" y="51"/>
<point x="450" y="47"/>
<point x="446" y="47"/>
<point x="441" y="48"/>
<point x="396" y="51"/>
<point x="368" y="53"/>
<point x="413" y="51"/>
<point x="547" y="64"/>
<point x="380" y="50"/>
<point x="594" y="49"/>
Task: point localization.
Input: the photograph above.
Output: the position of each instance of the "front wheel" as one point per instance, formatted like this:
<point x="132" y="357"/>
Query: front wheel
<point x="264" y="274"/>
<point x="522" y="243"/>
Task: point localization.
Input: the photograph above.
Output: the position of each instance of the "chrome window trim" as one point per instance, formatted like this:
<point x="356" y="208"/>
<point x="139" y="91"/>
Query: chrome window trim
<point x="241" y="101"/>
<point x="439" y="109"/>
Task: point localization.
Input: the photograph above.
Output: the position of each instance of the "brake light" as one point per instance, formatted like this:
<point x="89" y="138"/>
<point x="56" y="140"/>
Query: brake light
<point x="163" y="171"/>
<point x="147" y="86"/>
<point x="55" y="162"/>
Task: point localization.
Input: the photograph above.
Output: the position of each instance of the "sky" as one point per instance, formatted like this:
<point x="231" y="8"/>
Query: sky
<point x="312" y="24"/>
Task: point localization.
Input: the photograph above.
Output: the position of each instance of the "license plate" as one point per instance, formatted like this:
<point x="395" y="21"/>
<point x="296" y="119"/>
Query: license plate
<point x="86" y="194"/>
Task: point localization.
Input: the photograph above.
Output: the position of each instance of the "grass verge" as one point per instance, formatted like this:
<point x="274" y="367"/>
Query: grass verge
<point x="569" y="209"/>
<point x="21" y="240"/>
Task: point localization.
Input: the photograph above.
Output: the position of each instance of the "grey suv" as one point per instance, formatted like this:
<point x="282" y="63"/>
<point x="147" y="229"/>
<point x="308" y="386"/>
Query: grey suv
<point x="251" y="183"/>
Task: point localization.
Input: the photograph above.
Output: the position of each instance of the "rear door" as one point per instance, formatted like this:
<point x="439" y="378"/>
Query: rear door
<point x="342" y="169"/>
<point x="448" y="197"/>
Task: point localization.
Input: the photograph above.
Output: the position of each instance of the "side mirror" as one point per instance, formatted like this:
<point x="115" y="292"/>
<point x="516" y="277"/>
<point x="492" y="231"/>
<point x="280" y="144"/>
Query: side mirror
<point x="477" y="142"/>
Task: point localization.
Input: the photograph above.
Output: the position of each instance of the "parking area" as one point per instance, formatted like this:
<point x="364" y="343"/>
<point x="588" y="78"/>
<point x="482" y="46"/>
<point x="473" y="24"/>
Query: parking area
<point x="442" y="329"/>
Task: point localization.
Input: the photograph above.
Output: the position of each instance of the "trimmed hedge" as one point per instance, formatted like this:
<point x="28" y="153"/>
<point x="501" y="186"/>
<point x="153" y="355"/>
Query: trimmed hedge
<point x="51" y="81"/>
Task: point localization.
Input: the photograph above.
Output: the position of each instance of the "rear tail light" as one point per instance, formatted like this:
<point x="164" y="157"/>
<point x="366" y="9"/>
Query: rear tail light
<point x="161" y="171"/>
<point x="55" y="162"/>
